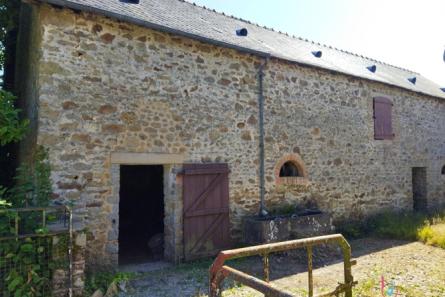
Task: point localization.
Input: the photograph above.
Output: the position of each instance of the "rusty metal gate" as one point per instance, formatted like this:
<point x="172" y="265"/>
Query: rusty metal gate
<point x="206" y="209"/>
<point x="218" y="271"/>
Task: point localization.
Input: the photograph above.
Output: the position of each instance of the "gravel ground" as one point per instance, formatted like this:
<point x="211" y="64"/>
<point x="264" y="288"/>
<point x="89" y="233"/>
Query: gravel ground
<point x="415" y="269"/>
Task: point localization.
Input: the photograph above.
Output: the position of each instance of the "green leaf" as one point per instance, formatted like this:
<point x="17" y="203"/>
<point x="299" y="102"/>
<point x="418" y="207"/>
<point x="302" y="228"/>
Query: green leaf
<point x="14" y="283"/>
<point x="4" y="203"/>
<point x="42" y="231"/>
<point x="27" y="247"/>
<point x="18" y="293"/>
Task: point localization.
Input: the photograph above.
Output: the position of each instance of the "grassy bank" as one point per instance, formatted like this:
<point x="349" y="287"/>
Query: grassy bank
<point x="427" y="228"/>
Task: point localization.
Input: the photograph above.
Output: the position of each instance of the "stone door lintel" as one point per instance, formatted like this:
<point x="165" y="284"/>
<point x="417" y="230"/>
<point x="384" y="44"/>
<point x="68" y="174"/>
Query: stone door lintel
<point x="146" y="158"/>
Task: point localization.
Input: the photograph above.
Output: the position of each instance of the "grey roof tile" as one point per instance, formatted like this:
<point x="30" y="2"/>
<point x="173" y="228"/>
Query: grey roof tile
<point x="187" y="19"/>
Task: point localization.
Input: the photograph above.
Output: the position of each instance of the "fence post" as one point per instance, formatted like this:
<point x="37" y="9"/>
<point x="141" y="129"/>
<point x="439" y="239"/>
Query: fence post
<point x="309" y="271"/>
<point x="266" y="267"/>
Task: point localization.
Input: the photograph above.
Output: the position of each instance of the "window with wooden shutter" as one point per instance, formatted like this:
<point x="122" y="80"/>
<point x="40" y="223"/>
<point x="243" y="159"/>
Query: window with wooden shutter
<point x="383" y="118"/>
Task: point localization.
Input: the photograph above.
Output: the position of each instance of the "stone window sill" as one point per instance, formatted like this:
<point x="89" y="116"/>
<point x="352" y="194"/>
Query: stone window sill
<point x="291" y="180"/>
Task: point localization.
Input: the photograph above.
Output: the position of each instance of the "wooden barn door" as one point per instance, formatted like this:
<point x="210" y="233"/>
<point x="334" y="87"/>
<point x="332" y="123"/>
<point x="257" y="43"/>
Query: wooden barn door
<point x="206" y="210"/>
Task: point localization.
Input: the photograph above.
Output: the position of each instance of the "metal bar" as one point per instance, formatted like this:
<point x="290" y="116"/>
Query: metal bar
<point x="43" y="218"/>
<point x="215" y="285"/>
<point x="217" y="267"/>
<point x="34" y="235"/>
<point x="309" y="271"/>
<point x="257" y="284"/>
<point x="16" y="225"/>
<point x="261" y="154"/>
<point x="347" y="268"/>
<point x="280" y="246"/>
<point x="70" y="252"/>
<point x="266" y="268"/>
<point x="24" y="209"/>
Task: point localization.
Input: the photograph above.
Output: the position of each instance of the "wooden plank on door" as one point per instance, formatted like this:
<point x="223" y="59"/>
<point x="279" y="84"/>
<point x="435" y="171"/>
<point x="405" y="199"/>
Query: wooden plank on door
<point x="206" y="210"/>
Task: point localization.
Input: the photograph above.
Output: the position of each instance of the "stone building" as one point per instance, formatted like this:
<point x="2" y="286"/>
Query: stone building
<point x="152" y="109"/>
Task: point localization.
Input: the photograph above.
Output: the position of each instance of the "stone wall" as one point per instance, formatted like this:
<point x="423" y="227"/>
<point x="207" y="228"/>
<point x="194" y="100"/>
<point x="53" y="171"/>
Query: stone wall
<point x="61" y="280"/>
<point x="328" y="120"/>
<point x="106" y="86"/>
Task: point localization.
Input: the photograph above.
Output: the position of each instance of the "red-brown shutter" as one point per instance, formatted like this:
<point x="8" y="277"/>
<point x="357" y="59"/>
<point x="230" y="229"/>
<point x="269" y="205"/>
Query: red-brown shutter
<point x="383" y="118"/>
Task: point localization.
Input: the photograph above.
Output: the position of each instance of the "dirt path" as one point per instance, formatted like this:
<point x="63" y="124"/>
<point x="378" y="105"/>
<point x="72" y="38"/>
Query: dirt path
<point x="416" y="269"/>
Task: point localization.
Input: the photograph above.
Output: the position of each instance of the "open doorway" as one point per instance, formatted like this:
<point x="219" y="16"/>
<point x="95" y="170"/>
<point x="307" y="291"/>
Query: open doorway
<point x="141" y="213"/>
<point x="419" y="189"/>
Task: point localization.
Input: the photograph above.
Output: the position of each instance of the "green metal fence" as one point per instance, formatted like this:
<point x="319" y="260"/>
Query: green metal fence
<point x="35" y="252"/>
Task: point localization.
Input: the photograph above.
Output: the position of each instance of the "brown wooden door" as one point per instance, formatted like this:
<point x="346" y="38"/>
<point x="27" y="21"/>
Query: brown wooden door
<point x="206" y="210"/>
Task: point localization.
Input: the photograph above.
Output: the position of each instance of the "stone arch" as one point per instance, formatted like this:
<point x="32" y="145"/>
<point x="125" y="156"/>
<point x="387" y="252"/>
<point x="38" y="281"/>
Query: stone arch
<point x="290" y="169"/>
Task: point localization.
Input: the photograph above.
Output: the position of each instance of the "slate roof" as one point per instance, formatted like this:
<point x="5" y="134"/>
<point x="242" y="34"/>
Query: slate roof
<point x="187" y="19"/>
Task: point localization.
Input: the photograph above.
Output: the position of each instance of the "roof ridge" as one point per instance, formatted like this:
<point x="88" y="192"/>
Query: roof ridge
<point x="296" y="37"/>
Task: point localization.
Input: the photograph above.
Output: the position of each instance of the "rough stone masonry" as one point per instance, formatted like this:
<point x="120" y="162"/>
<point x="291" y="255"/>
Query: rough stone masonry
<point x="96" y="86"/>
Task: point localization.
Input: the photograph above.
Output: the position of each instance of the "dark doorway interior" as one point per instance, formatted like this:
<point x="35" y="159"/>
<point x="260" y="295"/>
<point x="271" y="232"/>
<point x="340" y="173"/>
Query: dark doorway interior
<point x="419" y="189"/>
<point x="141" y="214"/>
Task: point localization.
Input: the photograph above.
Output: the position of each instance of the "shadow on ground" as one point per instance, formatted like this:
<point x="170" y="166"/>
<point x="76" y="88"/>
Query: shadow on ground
<point x="288" y="270"/>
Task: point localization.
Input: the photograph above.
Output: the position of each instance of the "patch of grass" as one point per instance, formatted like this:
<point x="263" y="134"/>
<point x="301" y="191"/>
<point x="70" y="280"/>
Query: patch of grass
<point x="429" y="229"/>
<point x="102" y="280"/>
<point x="298" y="291"/>
<point x="404" y="226"/>
<point x="371" y="288"/>
<point x="397" y="225"/>
<point x="368" y="287"/>
<point x="433" y="235"/>
<point x="351" y="229"/>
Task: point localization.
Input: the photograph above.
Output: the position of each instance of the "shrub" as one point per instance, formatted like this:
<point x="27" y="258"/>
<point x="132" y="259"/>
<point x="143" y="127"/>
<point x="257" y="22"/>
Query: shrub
<point x="433" y="235"/>
<point x="32" y="182"/>
<point x="12" y="128"/>
<point x="28" y="262"/>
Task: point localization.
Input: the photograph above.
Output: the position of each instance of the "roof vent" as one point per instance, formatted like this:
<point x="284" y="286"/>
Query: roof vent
<point x="412" y="80"/>
<point x="130" y="1"/>
<point x="241" y="32"/>
<point x="317" y="54"/>
<point x="372" y="68"/>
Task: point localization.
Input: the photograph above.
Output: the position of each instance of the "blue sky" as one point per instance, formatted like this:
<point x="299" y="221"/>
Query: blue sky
<point x="405" y="33"/>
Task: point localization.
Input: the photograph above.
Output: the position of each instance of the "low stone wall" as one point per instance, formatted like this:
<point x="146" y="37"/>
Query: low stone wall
<point x="310" y="225"/>
<point x="267" y="230"/>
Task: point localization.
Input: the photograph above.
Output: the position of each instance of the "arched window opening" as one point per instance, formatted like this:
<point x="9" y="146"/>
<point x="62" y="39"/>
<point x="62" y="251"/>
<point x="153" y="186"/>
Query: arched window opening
<point x="289" y="169"/>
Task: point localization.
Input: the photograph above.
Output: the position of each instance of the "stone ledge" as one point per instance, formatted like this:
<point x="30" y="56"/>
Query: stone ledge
<point x="146" y="158"/>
